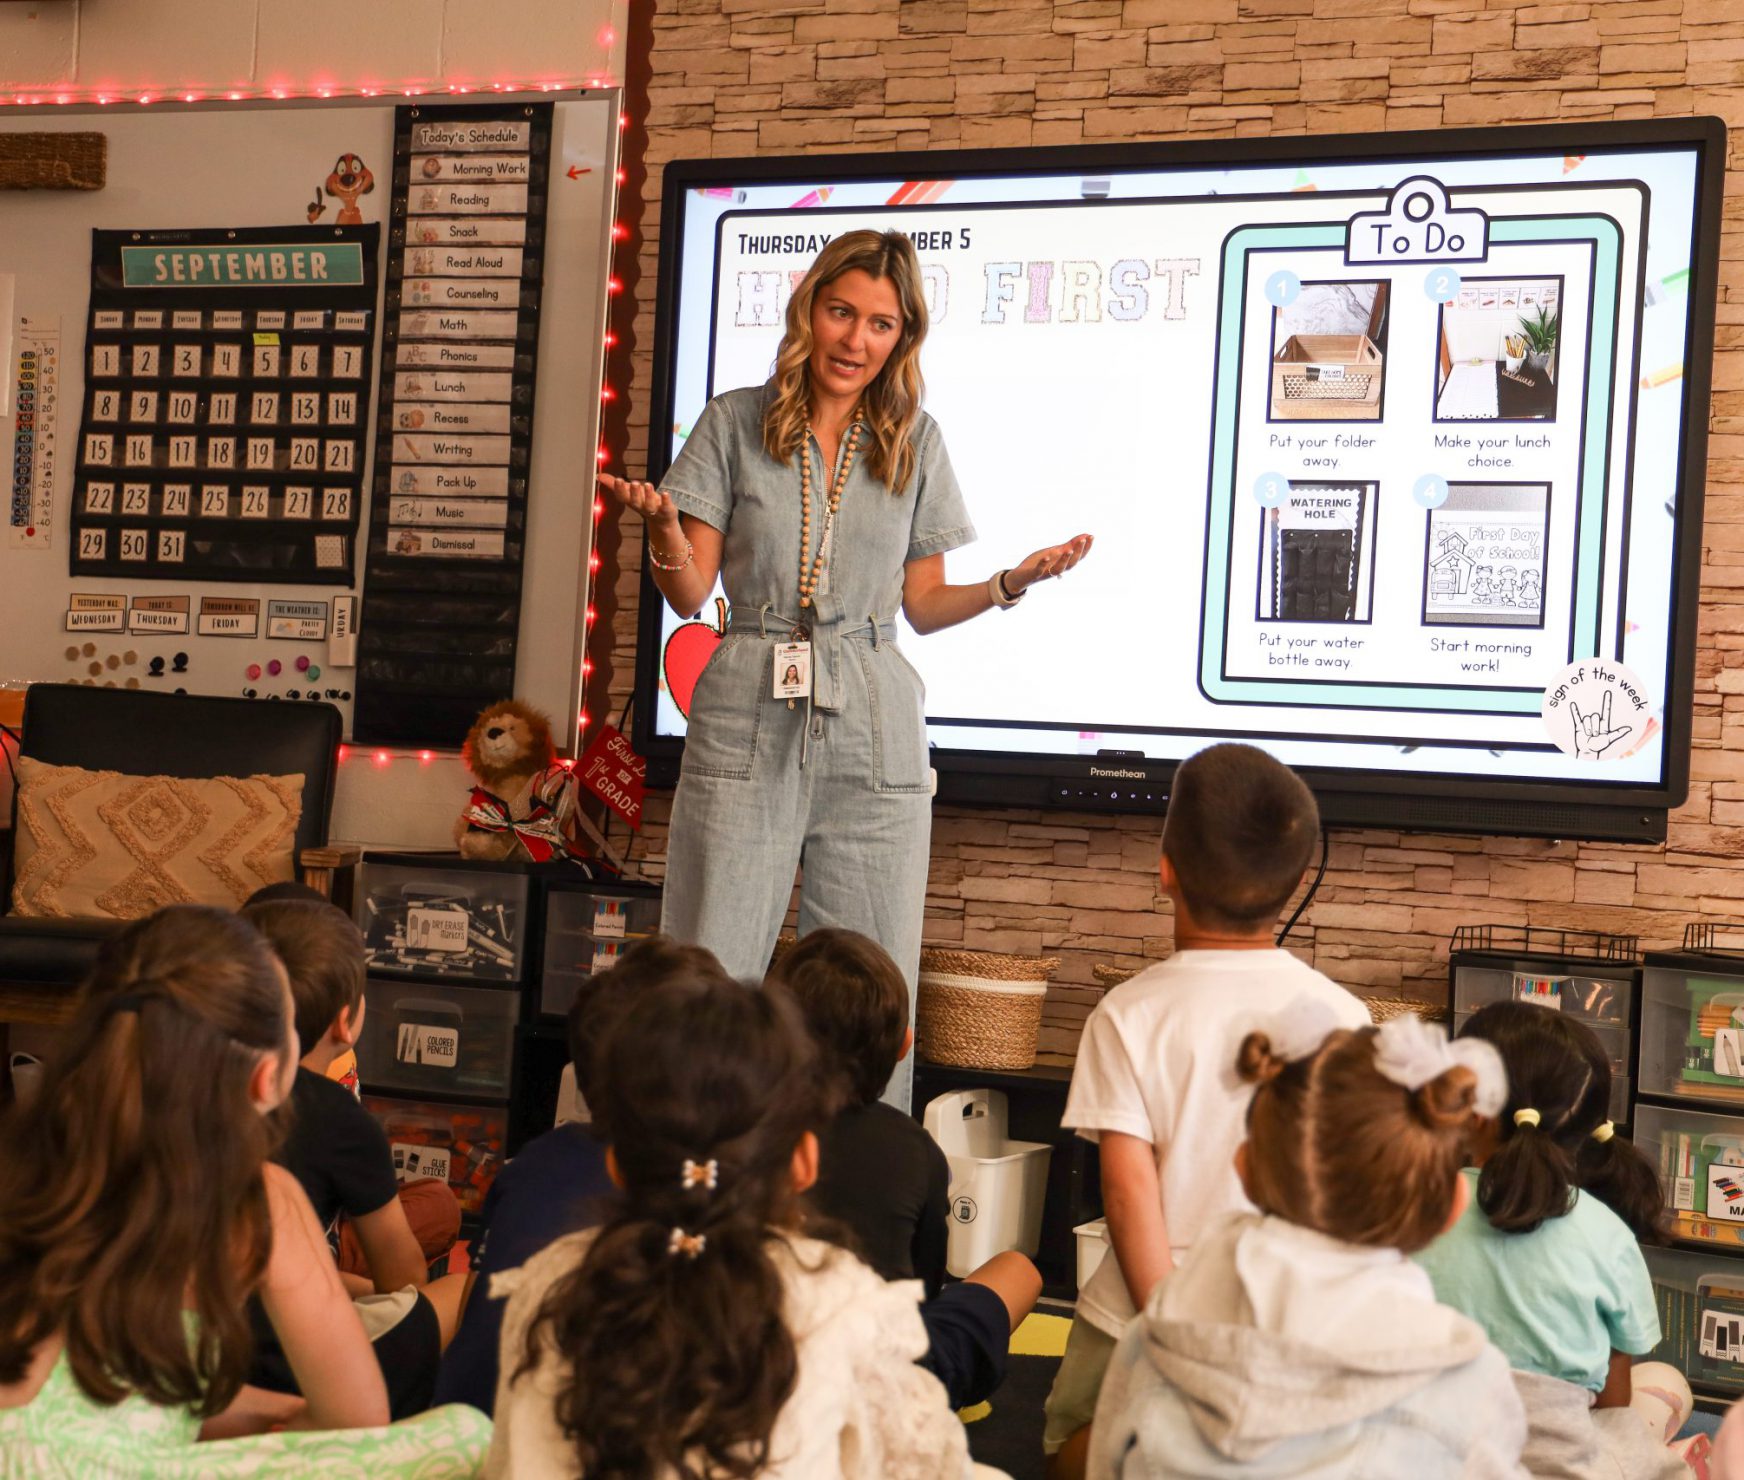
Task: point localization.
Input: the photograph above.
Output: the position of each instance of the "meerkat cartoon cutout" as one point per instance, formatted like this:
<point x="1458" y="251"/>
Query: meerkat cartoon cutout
<point x="349" y="179"/>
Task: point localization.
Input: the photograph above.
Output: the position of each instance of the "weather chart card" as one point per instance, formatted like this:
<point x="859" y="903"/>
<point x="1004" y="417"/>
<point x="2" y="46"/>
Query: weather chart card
<point x="1377" y="453"/>
<point x="227" y="383"/>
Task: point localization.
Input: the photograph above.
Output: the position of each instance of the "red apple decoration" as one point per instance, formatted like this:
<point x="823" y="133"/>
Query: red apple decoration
<point x="687" y="653"/>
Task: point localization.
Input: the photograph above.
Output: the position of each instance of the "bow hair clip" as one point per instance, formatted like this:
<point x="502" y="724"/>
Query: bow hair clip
<point x="1411" y="1052"/>
<point x="704" y="1174"/>
<point x="1299" y="1029"/>
<point x="687" y="1244"/>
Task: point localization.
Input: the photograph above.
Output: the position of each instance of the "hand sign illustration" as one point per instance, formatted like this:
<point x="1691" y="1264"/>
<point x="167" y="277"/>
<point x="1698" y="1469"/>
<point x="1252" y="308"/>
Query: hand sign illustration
<point x="1593" y="734"/>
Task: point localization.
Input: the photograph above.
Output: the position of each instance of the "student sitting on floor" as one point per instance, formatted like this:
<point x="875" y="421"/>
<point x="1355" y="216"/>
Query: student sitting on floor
<point x="1237" y="838"/>
<point x="138" y="1211"/>
<point x="697" y="1330"/>
<point x="338" y="1152"/>
<point x="881" y="1176"/>
<point x="556" y="1184"/>
<point x="1300" y="1340"/>
<point x="1546" y="1258"/>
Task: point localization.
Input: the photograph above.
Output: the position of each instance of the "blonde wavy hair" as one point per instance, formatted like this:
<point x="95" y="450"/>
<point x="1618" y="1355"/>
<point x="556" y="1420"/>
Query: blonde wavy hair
<point x="892" y="402"/>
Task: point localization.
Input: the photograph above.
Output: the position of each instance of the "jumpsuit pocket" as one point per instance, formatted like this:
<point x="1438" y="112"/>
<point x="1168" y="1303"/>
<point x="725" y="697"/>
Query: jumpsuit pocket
<point x="726" y="711"/>
<point x="898" y="704"/>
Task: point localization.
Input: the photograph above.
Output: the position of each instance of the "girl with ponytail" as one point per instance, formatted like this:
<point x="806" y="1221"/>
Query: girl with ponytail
<point x="138" y="1212"/>
<point x="699" y="1333"/>
<point x="1546" y="1258"/>
<point x="1301" y="1340"/>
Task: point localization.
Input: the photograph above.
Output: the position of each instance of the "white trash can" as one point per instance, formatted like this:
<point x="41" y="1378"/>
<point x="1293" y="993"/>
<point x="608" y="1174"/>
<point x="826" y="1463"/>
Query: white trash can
<point x="998" y="1185"/>
<point x="1093" y="1248"/>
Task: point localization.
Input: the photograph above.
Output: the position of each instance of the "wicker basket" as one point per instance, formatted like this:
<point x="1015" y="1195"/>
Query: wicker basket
<point x="1113" y="976"/>
<point x="979" y="1010"/>
<point x="1385" y="1009"/>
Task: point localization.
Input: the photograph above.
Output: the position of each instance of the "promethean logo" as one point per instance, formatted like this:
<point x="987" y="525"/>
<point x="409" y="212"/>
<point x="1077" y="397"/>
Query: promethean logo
<point x="1118" y="774"/>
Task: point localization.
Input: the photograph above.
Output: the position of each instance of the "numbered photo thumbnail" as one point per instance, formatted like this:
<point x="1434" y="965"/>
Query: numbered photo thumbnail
<point x="1329" y="350"/>
<point x="1498" y="349"/>
<point x="1484" y="563"/>
<point x="1317" y="554"/>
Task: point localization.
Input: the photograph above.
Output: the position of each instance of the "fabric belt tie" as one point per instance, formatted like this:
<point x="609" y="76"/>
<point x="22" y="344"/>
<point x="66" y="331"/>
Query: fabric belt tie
<point x="826" y="622"/>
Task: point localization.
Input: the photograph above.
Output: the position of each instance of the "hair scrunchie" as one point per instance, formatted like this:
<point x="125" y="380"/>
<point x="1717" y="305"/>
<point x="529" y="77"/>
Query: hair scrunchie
<point x="1603" y="1131"/>
<point x="1526" y="1117"/>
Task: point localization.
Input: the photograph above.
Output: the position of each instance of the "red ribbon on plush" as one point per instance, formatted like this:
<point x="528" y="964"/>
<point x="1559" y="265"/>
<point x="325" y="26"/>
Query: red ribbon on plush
<point x="539" y="831"/>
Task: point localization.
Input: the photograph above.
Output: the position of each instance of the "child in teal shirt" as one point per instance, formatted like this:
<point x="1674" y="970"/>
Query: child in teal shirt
<point x="1546" y="1258"/>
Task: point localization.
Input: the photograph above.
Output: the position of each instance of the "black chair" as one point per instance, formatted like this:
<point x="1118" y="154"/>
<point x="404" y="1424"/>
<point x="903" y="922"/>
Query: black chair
<point x="137" y="733"/>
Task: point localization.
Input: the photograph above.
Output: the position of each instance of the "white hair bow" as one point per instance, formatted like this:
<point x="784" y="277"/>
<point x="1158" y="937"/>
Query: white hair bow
<point x="1411" y="1052"/>
<point x="1300" y="1028"/>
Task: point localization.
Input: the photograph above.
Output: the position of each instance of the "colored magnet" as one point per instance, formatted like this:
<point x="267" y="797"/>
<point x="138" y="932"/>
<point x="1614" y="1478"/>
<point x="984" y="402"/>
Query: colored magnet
<point x="253" y="670"/>
<point x="274" y="667"/>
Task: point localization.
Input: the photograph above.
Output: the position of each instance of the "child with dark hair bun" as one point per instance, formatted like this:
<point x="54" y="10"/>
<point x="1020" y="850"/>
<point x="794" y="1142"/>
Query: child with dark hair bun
<point x="1546" y="1258"/>
<point x="1301" y="1340"/>
<point x="699" y="1331"/>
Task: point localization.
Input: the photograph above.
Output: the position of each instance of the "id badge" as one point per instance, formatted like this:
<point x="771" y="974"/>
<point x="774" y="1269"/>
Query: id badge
<point x="792" y="670"/>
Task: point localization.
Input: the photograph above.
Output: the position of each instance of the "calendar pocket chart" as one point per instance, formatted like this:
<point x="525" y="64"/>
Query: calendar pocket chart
<point x="227" y="390"/>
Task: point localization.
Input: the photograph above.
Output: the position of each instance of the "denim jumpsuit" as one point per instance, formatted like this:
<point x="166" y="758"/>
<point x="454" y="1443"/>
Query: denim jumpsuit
<point x="840" y="784"/>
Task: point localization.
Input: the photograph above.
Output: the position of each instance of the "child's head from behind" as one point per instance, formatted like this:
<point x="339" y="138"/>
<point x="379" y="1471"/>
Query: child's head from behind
<point x="132" y="1179"/>
<point x="1552" y="1136"/>
<point x="1338" y="1144"/>
<point x="855" y="1003"/>
<point x="1238" y="835"/>
<point x="323" y="955"/>
<point x="601" y="999"/>
<point x="673" y="1323"/>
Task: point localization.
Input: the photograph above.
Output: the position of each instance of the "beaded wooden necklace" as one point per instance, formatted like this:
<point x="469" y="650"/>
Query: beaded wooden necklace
<point x="808" y="581"/>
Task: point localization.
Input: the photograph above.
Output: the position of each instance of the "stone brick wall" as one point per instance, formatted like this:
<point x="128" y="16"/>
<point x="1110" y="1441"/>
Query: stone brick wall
<point x="782" y="76"/>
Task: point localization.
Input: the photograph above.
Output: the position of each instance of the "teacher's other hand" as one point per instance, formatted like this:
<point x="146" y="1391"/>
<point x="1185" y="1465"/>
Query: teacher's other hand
<point x="646" y="499"/>
<point x="1056" y="560"/>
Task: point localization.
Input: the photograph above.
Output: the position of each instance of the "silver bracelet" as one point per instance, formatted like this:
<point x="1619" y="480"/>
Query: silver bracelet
<point x="997" y="592"/>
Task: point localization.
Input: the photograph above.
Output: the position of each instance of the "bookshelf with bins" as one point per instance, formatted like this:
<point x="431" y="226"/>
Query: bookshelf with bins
<point x="1690" y="1122"/>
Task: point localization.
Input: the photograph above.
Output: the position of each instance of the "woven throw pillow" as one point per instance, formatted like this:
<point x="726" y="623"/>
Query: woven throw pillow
<point x="97" y="843"/>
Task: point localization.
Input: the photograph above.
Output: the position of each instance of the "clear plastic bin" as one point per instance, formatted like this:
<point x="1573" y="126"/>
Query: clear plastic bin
<point x="1093" y="1248"/>
<point x="998" y="1186"/>
<point x="463" y="1143"/>
<point x="1615" y="1040"/>
<point x="1700" y="1156"/>
<point x="586" y="930"/>
<point x="1593" y="998"/>
<point x="1701" y="1313"/>
<point x="424" y="1038"/>
<point x="1692" y="1033"/>
<point x="424" y="917"/>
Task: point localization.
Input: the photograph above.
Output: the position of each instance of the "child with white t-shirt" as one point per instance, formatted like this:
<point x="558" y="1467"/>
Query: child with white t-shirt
<point x="1154" y="1085"/>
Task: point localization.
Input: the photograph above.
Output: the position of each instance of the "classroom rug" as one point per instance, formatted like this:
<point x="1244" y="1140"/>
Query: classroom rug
<point x="1006" y="1431"/>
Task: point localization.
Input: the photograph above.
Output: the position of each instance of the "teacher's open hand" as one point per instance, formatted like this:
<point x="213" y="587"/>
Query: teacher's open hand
<point x="1056" y="560"/>
<point x="645" y="498"/>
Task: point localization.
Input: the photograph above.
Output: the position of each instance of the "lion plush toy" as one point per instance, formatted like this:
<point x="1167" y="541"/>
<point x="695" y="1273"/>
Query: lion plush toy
<point x="524" y="804"/>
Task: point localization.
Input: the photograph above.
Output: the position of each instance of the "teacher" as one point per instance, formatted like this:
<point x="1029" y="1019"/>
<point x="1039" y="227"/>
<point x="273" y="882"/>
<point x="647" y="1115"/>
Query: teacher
<point x="821" y="500"/>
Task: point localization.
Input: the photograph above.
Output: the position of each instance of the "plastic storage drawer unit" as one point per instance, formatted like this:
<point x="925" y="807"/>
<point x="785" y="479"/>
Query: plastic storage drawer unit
<point x="430" y="917"/>
<point x="586" y="930"/>
<point x="462" y="1143"/>
<point x="1700" y="1157"/>
<point x="1701" y="1312"/>
<point x="424" y="1038"/>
